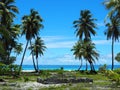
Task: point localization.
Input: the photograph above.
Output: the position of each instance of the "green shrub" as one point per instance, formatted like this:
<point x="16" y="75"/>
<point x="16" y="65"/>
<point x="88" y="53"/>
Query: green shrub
<point x="8" y="69"/>
<point x="113" y="75"/>
<point x="117" y="70"/>
<point x="103" y="68"/>
<point x="2" y="68"/>
<point x="26" y="79"/>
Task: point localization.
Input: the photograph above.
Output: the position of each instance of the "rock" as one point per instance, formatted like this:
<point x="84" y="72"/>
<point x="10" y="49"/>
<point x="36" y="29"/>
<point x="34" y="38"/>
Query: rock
<point x="40" y="80"/>
<point x="2" y="80"/>
<point x="53" y="80"/>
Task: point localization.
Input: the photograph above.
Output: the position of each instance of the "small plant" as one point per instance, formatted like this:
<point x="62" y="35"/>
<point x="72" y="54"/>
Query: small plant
<point x="26" y="79"/>
<point x="103" y="68"/>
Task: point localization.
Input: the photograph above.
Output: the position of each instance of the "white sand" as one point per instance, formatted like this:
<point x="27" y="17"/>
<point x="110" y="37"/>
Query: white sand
<point x="28" y="70"/>
<point x="35" y="85"/>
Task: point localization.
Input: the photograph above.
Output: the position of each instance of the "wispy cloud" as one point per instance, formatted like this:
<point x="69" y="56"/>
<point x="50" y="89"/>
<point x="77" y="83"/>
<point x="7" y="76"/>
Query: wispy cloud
<point x="101" y="24"/>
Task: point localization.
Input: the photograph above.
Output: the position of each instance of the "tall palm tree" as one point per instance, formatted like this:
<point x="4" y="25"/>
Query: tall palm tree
<point x="113" y="6"/>
<point x="31" y="24"/>
<point x="78" y="51"/>
<point x="37" y="49"/>
<point x="85" y="25"/>
<point x="113" y="32"/>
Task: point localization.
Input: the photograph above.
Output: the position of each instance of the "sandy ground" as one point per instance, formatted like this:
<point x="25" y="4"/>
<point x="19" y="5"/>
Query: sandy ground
<point x="26" y="85"/>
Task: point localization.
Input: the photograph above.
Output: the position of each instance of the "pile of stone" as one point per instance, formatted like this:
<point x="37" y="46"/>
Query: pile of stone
<point x="53" y="80"/>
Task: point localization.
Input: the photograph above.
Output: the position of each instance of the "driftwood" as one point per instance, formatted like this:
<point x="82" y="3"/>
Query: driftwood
<point x="53" y="80"/>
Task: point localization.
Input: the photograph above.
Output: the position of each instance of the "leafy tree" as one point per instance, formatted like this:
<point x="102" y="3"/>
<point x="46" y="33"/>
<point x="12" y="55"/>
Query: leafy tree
<point x="113" y="32"/>
<point x="37" y="49"/>
<point x="31" y="24"/>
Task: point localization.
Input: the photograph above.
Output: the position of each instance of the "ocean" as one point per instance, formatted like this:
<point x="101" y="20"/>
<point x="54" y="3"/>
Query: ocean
<point x="65" y="67"/>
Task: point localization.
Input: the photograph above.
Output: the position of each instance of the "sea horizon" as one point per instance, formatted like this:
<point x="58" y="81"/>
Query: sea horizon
<point x="65" y="67"/>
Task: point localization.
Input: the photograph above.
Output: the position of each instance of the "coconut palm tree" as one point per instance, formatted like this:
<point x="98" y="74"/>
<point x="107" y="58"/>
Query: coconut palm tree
<point x="37" y="49"/>
<point x="85" y="26"/>
<point x="113" y="32"/>
<point x="86" y="50"/>
<point x="18" y="49"/>
<point x="113" y="6"/>
<point x="90" y="53"/>
<point x="7" y="11"/>
<point x="31" y="24"/>
<point x="78" y="51"/>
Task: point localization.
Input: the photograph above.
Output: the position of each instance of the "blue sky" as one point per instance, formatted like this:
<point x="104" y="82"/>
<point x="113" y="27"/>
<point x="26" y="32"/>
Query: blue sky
<point x="58" y="33"/>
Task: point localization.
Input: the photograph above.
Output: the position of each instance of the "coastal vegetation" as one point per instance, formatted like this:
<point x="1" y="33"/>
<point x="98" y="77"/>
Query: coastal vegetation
<point x="11" y="75"/>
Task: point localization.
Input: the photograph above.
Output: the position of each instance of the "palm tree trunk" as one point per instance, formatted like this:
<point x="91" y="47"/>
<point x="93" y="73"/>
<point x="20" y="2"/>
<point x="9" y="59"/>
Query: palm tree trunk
<point x="86" y="65"/>
<point x="37" y="64"/>
<point x="33" y="58"/>
<point x="112" y="53"/>
<point x="80" y="66"/>
<point x="23" y="57"/>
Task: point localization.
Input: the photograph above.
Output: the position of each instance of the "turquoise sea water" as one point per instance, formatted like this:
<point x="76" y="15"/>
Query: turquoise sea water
<point x="66" y="67"/>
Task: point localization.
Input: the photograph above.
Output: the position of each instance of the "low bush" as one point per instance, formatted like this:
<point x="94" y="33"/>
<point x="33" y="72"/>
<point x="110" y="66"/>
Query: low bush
<point x="103" y="68"/>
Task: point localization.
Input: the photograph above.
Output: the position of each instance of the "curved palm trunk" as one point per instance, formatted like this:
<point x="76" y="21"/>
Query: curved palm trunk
<point x="23" y="57"/>
<point x="33" y="58"/>
<point x="86" y="66"/>
<point x="92" y="67"/>
<point x="80" y="66"/>
<point x="112" y="53"/>
<point x="37" y="64"/>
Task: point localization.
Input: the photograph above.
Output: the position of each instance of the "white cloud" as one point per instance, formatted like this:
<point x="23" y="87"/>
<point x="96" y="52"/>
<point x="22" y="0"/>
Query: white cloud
<point x="101" y="24"/>
<point x="62" y="44"/>
<point x="99" y="42"/>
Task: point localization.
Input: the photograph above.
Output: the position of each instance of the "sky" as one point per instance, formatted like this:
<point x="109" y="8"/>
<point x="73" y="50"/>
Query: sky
<point x="58" y="32"/>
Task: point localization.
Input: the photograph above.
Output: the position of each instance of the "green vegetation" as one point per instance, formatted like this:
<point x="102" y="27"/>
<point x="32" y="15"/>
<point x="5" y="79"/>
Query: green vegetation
<point x="108" y="80"/>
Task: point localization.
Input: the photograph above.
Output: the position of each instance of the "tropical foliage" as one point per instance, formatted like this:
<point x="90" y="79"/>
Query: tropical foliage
<point x="87" y="51"/>
<point x="9" y="31"/>
<point x="31" y="24"/>
<point x="113" y="32"/>
<point x="37" y="49"/>
<point x="85" y="26"/>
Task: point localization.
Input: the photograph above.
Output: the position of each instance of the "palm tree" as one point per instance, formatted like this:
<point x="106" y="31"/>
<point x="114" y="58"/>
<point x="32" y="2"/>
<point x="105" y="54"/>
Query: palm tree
<point x="86" y="50"/>
<point x="18" y="49"/>
<point x="113" y="6"/>
<point x="78" y="51"/>
<point x="31" y="25"/>
<point x="113" y="32"/>
<point x="85" y="25"/>
<point x="37" y="49"/>
<point x="7" y="11"/>
<point x="90" y="53"/>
